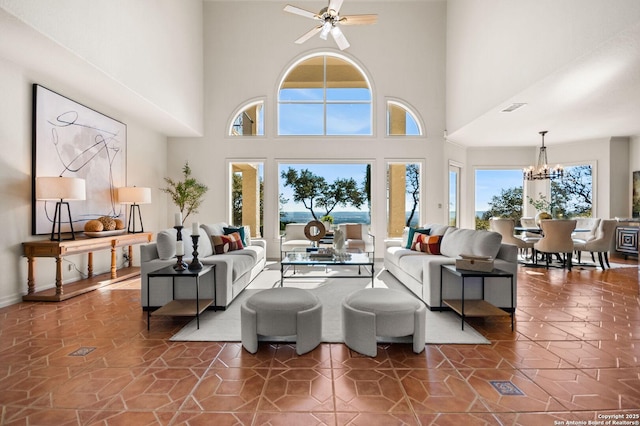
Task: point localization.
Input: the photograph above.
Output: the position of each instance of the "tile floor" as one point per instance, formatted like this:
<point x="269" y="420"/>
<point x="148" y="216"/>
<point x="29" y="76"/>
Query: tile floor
<point x="574" y="357"/>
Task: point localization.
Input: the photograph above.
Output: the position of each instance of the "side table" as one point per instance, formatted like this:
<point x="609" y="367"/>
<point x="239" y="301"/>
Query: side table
<point x="182" y="307"/>
<point x="475" y="308"/>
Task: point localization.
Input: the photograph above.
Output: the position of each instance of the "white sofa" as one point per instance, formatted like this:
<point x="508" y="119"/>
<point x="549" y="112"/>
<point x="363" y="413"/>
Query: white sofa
<point x="234" y="270"/>
<point x="421" y="272"/>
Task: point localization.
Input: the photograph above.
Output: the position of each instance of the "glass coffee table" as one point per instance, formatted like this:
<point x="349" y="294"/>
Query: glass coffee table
<point x="301" y="257"/>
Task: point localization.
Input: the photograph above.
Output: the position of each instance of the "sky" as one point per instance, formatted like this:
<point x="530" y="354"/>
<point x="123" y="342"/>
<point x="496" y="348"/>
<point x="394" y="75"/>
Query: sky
<point x="491" y="182"/>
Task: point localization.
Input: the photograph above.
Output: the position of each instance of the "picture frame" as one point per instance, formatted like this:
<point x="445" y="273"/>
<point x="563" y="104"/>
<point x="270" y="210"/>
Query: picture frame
<point x="73" y="140"/>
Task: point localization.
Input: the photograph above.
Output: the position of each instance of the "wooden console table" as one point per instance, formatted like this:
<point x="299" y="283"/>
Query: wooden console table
<point x="83" y="244"/>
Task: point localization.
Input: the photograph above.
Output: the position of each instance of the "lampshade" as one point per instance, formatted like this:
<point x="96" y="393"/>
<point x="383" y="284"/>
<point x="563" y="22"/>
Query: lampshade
<point x="134" y="195"/>
<point x="60" y="188"/>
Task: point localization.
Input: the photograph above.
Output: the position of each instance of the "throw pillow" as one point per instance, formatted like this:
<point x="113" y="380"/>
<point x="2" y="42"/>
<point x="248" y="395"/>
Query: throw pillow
<point x="412" y="232"/>
<point x="226" y="243"/>
<point x="239" y="229"/>
<point x="429" y="244"/>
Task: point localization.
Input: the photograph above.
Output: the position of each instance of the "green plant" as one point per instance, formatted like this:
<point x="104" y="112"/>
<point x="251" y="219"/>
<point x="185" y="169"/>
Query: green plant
<point x="541" y="204"/>
<point x="188" y="194"/>
<point x="326" y="218"/>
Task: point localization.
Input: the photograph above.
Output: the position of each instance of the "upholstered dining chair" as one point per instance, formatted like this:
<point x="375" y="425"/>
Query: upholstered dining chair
<point x="601" y="243"/>
<point x="588" y="227"/>
<point x="529" y="237"/>
<point x="556" y="238"/>
<point x="505" y="227"/>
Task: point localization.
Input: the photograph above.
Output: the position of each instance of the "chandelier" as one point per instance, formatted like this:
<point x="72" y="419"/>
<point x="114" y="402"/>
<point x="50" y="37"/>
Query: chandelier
<point x="542" y="170"/>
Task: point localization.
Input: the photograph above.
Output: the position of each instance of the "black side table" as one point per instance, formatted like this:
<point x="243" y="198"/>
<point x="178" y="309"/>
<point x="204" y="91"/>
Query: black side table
<point x="182" y="307"/>
<point x="475" y="308"/>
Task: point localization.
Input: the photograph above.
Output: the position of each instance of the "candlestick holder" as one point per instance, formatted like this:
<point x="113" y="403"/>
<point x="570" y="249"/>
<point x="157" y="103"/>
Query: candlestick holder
<point x="180" y="265"/>
<point x="195" y="264"/>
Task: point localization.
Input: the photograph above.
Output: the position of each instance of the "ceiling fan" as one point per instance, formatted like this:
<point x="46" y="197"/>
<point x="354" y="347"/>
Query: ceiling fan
<point x="330" y="18"/>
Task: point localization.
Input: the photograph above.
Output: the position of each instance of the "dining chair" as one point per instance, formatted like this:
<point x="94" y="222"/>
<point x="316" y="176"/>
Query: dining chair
<point x="588" y="227"/>
<point x="505" y="227"/>
<point x="529" y="222"/>
<point x="556" y="238"/>
<point x="601" y="244"/>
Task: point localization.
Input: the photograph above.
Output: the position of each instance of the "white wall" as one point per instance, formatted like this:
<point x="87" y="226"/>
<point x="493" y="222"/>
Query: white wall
<point x="147" y="75"/>
<point x="403" y="54"/>
<point x="486" y="68"/>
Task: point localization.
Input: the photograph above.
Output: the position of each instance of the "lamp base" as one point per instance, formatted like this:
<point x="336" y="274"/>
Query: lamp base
<point x="57" y="220"/>
<point x="131" y="228"/>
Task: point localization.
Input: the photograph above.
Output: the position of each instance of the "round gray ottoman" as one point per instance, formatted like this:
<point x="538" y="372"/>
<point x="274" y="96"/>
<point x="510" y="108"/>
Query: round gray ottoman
<point x="385" y="312"/>
<point x="282" y="311"/>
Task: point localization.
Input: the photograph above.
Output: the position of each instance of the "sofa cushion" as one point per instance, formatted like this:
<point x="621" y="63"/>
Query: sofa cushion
<point x="470" y="241"/>
<point x="411" y="233"/>
<point x="226" y="243"/>
<point x="429" y="244"/>
<point x="166" y="244"/>
<point x="396" y="253"/>
<point x="214" y="228"/>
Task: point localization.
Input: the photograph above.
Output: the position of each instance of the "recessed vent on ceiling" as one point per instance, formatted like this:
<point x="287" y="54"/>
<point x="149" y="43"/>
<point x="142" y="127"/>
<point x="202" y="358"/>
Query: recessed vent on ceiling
<point x="513" y="107"/>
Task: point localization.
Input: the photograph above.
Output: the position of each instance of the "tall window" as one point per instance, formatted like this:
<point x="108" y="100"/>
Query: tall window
<point x="403" y="196"/>
<point x="247" y="194"/>
<point x="454" y="194"/>
<point x="498" y="193"/>
<point x="325" y="95"/>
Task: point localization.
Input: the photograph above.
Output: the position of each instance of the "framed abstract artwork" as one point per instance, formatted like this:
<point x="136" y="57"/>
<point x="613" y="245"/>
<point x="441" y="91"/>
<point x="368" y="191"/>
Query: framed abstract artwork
<point x="72" y="140"/>
<point x="636" y="195"/>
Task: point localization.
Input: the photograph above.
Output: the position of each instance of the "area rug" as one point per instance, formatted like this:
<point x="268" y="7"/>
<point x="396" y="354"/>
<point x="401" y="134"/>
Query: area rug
<point x="224" y="326"/>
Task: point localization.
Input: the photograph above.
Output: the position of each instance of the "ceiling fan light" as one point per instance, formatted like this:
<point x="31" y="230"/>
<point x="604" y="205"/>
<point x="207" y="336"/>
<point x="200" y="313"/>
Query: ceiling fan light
<point x="326" y="27"/>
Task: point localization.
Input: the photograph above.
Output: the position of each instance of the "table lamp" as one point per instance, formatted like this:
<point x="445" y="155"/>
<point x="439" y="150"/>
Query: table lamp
<point x="61" y="189"/>
<point x="135" y="196"/>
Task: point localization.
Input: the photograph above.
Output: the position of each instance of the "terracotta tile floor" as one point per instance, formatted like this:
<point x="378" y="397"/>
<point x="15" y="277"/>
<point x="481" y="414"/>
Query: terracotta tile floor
<point x="574" y="356"/>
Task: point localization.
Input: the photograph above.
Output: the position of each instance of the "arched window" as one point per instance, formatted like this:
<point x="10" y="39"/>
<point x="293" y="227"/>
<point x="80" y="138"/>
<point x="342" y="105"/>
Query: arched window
<point x="401" y="121"/>
<point x="325" y="95"/>
<point x="249" y="121"/>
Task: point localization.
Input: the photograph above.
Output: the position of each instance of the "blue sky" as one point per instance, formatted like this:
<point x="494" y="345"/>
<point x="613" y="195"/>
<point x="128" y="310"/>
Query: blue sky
<point x="491" y="182"/>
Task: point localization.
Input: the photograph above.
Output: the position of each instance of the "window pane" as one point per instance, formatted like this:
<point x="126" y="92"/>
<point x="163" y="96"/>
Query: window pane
<point x="453" y="196"/>
<point x="249" y="122"/>
<point x="301" y="95"/>
<point x="300" y="119"/>
<point x="571" y="196"/>
<point x="339" y="190"/>
<point x="400" y="121"/>
<point x="348" y="94"/>
<point x="348" y="119"/>
<point x="498" y="193"/>
<point x="403" y="197"/>
<point x="247" y="192"/>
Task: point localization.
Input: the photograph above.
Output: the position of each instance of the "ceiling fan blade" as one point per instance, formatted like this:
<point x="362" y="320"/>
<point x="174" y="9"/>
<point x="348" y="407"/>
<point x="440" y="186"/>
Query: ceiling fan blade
<point x="335" y="5"/>
<point x="301" y="12"/>
<point x="358" y="19"/>
<point x="306" y="36"/>
<point x="339" y="37"/>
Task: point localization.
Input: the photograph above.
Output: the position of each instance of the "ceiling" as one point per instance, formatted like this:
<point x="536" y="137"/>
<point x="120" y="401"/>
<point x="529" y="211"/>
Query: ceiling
<point x="595" y="96"/>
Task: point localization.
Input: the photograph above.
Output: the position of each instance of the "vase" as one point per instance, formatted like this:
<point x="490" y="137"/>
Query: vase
<point x="541" y="216"/>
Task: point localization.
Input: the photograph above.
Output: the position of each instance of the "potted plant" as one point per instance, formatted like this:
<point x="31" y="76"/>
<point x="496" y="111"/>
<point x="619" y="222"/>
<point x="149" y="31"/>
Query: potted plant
<point x="187" y="194"/>
<point x="327" y="221"/>
<point x="542" y="206"/>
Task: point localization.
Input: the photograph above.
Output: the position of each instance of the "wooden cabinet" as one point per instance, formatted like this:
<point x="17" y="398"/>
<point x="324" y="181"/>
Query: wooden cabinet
<point x="60" y="249"/>
<point x="627" y="240"/>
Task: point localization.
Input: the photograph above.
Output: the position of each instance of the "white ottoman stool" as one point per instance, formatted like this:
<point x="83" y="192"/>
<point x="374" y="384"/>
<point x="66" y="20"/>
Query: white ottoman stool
<point x="282" y="311"/>
<point x="385" y="312"/>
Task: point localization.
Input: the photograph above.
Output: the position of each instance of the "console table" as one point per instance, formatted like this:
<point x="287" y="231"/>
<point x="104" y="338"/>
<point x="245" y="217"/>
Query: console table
<point x="83" y="244"/>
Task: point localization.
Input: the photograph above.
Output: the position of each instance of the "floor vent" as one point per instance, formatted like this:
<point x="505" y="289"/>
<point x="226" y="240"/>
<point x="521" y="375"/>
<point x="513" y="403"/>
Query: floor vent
<point x="82" y="351"/>
<point x="507" y="388"/>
